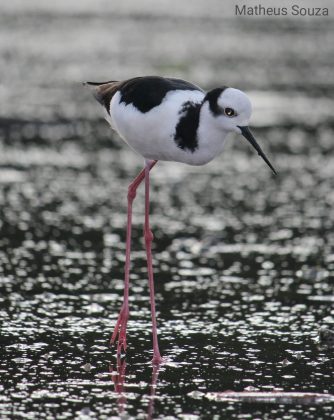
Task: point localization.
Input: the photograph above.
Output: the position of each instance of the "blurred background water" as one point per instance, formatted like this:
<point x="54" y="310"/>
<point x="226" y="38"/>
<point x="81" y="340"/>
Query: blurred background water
<point x="243" y="261"/>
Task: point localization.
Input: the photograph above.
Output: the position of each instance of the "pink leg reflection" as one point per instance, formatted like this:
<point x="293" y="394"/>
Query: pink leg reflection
<point x="118" y="379"/>
<point x="155" y="374"/>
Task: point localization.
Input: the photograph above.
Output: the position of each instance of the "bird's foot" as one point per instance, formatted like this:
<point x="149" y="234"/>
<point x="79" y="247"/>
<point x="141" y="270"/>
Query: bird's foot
<point x="120" y="330"/>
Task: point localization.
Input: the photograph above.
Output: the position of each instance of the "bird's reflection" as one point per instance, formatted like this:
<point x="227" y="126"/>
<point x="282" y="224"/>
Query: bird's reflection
<point x="118" y="377"/>
<point x="155" y="375"/>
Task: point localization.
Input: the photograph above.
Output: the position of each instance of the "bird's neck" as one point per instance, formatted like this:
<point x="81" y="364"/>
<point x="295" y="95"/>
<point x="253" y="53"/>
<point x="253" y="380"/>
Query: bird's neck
<point x="211" y="137"/>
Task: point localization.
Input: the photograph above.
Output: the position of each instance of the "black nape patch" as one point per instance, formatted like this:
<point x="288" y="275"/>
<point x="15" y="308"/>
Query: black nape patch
<point x="148" y="92"/>
<point x="212" y="97"/>
<point x="186" y="130"/>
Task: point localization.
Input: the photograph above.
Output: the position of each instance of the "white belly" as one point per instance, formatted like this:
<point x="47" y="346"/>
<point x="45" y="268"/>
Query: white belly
<point x="151" y="134"/>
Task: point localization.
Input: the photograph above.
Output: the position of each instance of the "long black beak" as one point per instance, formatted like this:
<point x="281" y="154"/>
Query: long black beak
<point x="245" y="131"/>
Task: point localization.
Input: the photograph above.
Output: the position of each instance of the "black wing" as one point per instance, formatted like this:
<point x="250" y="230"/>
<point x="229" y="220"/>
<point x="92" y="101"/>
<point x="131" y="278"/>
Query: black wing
<point x="144" y="93"/>
<point x="148" y="92"/>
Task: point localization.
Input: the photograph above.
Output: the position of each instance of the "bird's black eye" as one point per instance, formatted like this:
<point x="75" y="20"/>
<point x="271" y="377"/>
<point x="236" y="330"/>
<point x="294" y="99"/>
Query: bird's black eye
<point x="229" y="112"/>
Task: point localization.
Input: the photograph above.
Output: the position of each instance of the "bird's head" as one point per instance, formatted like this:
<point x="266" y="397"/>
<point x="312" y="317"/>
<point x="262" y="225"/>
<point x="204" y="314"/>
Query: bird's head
<point x="232" y="109"/>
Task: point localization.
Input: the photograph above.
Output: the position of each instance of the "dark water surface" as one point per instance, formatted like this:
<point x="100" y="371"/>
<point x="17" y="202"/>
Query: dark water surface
<point x="243" y="261"/>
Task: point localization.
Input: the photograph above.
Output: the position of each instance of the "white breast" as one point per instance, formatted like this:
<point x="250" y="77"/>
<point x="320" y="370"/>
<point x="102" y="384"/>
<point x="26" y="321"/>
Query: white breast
<point x="151" y="134"/>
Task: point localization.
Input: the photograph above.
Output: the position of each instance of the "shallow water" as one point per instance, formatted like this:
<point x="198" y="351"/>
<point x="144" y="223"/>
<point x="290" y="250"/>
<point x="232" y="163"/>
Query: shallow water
<point x="241" y="290"/>
<point x="243" y="260"/>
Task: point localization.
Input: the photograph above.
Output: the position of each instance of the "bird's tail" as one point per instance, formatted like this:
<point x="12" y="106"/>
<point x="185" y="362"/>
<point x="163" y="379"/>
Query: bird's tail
<point x="98" y="83"/>
<point x="103" y="91"/>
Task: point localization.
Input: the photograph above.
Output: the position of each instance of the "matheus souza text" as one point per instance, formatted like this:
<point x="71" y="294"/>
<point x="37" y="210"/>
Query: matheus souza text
<point x="294" y="10"/>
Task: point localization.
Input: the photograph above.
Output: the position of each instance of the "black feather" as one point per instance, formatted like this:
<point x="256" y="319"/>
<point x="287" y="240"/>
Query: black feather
<point x="186" y="130"/>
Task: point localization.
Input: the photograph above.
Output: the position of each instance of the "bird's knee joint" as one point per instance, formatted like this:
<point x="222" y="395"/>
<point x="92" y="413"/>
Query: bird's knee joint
<point x="148" y="235"/>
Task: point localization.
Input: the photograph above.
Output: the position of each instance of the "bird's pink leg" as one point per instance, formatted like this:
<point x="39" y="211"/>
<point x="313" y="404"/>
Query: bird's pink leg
<point x="121" y="324"/>
<point x="148" y="236"/>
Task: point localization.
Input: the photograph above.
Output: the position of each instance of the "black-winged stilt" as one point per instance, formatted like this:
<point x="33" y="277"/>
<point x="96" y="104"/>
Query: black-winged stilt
<point x="173" y="120"/>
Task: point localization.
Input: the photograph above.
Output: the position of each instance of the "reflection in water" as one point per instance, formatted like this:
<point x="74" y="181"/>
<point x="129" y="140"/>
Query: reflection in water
<point x="118" y="377"/>
<point x="155" y="375"/>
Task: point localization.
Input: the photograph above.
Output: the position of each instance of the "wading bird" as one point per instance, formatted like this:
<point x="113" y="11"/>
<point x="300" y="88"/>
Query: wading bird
<point x="173" y="120"/>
